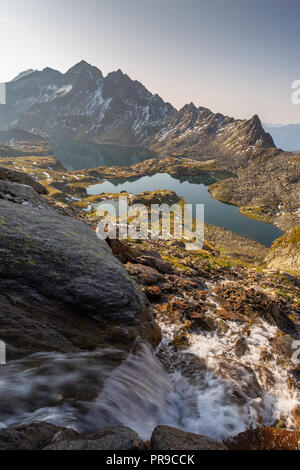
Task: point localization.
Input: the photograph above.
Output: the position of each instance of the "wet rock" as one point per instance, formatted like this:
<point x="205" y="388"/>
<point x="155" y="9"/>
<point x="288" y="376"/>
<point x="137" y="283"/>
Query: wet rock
<point x="34" y="436"/>
<point x="294" y="379"/>
<point x="241" y="347"/>
<point x="205" y="322"/>
<point x="296" y="416"/>
<point x="282" y="345"/>
<point x="226" y="315"/>
<point x="40" y="435"/>
<point x="266" y="377"/>
<point x="190" y="284"/>
<point x="180" y="340"/>
<point x="243" y="380"/>
<point x="265" y="439"/>
<point x="191" y="366"/>
<point x="153" y="293"/>
<point x="167" y="438"/>
<point x="112" y="438"/>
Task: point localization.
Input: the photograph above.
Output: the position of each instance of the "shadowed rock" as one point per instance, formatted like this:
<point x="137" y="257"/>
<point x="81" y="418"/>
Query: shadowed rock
<point x="37" y="436"/>
<point x="22" y="178"/>
<point x="112" y="438"/>
<point x="167" y="438"/>
<point x="34" y="436"/>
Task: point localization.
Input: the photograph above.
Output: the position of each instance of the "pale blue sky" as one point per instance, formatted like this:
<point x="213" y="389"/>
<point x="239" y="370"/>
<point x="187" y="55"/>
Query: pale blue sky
<point x="238" y="57"/>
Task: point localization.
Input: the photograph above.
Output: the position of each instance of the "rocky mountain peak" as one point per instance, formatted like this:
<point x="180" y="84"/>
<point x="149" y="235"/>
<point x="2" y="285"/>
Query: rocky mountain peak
<point x="189" y="107"/>
<point x="256" y="133"/>
<point x="82" y="103"/>
<point x="116" y="109"/>
<point x="23" y="74"/>
<point x="83" y="71"/>
<point x="200" y="133"/>
<point x="116" y="74"/>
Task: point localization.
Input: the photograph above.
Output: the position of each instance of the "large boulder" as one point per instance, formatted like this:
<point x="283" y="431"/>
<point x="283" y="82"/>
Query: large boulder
<point x="56" y="272"/>
<point x="69" y="312"/>
<point x="265" y="439"/>
<point x="167" y="438"/>
<point x="111" y="438"/>
<point x="37" y="436"/>
<point x="34" y="436"/>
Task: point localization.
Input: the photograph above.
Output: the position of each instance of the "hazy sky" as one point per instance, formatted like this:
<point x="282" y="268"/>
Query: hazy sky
<point x="238" y="57"/>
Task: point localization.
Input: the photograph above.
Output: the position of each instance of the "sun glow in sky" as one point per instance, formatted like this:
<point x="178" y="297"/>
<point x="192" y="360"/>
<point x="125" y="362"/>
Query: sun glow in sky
<point x="237" y="57"/>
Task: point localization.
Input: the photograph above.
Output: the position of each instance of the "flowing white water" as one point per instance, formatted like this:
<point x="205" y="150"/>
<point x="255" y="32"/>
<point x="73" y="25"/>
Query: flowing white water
<point x="206" y="389"/>
<point x="141" y="394"/>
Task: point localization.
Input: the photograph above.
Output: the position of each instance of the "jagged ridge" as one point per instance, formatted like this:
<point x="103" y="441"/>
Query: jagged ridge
<point x="198" y="132"/>
<point x="82" y="103"/>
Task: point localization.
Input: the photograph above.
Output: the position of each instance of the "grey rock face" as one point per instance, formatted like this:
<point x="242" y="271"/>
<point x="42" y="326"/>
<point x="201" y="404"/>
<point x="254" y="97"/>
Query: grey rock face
<point x="68" y="263"/>
<point x="22" y="194"/>
<point x="200" y="133"/>
<point x="167" y="438"/>
<point x="83" y="103"/>
<point x="69" y="312"/>
<point x="61" y="289"/>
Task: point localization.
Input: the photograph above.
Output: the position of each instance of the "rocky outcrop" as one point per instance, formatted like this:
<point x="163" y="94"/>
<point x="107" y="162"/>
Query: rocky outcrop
<point x="267" y="189"/>
<point x="284" y="253"/>
<point x="167" y="438"/>
<point x="21" y="178"/>
<point x="183" y="169"/>
<point x="265" y="439"/>
<point x="63" y="295"/>
<point x="147" y="198"/>
<point x="23" y="195"/>
<point x="198" y="132"/>
<point x="55" y="271"/>
<point x="253" y="304"/>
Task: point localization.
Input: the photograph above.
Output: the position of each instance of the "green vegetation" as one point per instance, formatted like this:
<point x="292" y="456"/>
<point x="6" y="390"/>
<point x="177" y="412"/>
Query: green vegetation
<point x="256" y="213"/>
<point x="292" y="237"/>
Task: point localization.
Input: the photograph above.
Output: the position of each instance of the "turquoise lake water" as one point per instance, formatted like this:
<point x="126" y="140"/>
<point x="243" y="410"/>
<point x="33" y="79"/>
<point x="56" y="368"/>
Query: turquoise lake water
<point x="196" y="192"/>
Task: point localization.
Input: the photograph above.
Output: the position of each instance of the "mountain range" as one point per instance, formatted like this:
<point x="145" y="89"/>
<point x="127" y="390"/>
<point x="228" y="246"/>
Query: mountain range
<point x="82" y="103"/>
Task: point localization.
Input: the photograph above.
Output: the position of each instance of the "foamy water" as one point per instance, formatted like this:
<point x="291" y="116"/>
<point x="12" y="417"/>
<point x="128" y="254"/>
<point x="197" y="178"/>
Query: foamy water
<point x="141" y="393"/>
